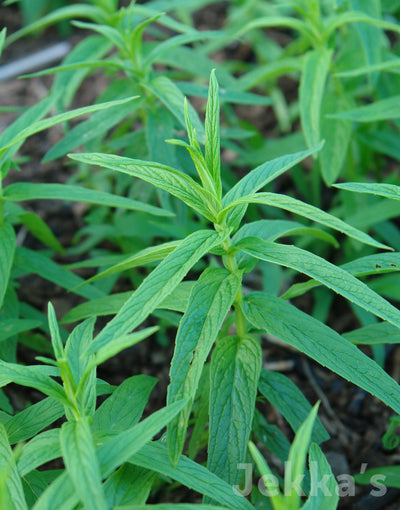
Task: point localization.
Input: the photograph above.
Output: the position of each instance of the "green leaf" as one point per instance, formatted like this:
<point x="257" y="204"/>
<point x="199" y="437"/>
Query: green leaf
<point x="276" y="497"/>
<point x="169" y="94"/>
<point x="79" y="454"/>
<point x="11" y="327"/>
<point x="380" y="189"/>
<point x="374" y="334"/>
<point x="302" y="209"/>
<point x="21" y="191"/>
<point x="158" y="285"/>
<point x="124" y="408"/>
<point x="110" y="305"/>
<point x="41" y="125"/>
<point x="384" y="476"/>
<point x="7" y="248"/>
<point x="2" y="39"/>
<point x="171" y="506"/>
<point x="39" y="264"/>
<point x="312" y="88"/>
<point x="32" y="420"/>
<point x="67" y="12"/>
<point x="34" y="376"/>
<point x="371" y="264"/>
<point x="384" y="109"/>
<point x="320" y="470"/>
<point x="59" y="494"/>
<point x="119" y="448"/>
<point x="118" y="344"/>
<point x="297" y="458"/>
<point x="321" y="343"/>
<point x="210" y="301"/>
<point x="8" y="470"/>
<point x="283" y="394"/>
<point x="38" y="228"/>
<point x="336" y="133"/>
<point x="43" y="448"/>
<point x="235" y="370"/>
<point x="265" y="173"/>
<point x="173" y="181"/>
<point x="191" y="474"/>
<point x="56" y="341"/>
<point x="328" y="274"/>
<point x="212" y="135"/>
<point x="120" y="490"/>
<point x="143" y="257"/>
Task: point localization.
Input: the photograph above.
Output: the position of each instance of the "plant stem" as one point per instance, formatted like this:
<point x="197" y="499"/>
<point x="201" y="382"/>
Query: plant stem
<point x="241" y="323"/>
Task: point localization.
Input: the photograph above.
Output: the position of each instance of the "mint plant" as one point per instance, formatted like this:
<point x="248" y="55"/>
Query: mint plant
<point x="235" y="367"/>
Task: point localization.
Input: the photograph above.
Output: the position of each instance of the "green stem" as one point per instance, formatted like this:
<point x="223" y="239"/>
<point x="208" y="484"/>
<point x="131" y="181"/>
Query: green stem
<point x="241" y="323"/>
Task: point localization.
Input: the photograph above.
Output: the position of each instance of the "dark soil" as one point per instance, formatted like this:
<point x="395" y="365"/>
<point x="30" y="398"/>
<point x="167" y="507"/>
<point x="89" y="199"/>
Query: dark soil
<point x="355" y="420"/>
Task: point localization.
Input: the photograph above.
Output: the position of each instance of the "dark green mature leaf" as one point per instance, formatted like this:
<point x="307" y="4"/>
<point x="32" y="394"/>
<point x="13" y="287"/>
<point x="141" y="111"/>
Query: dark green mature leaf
<point x="8" y="469"/>
<point x="209" y="303"/>
<point x="235" y="370"/>
<point x="79" y="454"/>
<point x="321" y="343"/>
<point x="173" y="181"/>
<point x="124" y="408"/>
<point x="308" y="211"/>
<point x="7" y="248"/>
<point x="158" y="285"/>
<point x="283" y="394"/>
<point x="212" y="135"/>
<point x="328" y="274"/>
<point x="59" y="494"/>
<point x="43" y="448"/>
<point x="191" y="474"/>
<point x="388" y="476"/>
<point x="312" y="87"/>
<point x="21" y="191"/>
<point x="32" y="420"/>
<point x="321" y="470"/>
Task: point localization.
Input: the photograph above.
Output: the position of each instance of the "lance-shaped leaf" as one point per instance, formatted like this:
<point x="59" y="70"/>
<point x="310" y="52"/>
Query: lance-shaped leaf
<point x="323" y="497"/>
<point x="158" y="285"/>
<point x="191" y="474"/>
<point x="22" y="191"/>
<point x="371" y="264"/>
<point x="312" y="87"/>
<point x="145" y="256"/>
<point x="208" y="306"/>
<point x="383" y="109"/>
<point x="328" y="274"/>
<point x="283" y="394"/>
<point x="212" y="140"/>
<point x="308" y="211"/>
<point x="7" y="248"/>
<point x="260" y="177"/>
<point x="235" y="370"/>
<point x="321" y="343"/>
<point x="9" y="474"/>
<point x="164" y="177"/>
<point x="41" y="449"/>
<point x="41" y="125"/>
<point x="79" y="454"/>
<point x="381" y="189"/>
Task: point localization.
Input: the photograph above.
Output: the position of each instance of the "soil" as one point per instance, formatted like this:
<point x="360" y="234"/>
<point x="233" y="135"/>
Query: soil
<point x="355" y="420"/>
